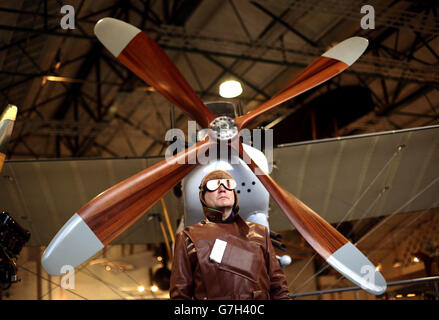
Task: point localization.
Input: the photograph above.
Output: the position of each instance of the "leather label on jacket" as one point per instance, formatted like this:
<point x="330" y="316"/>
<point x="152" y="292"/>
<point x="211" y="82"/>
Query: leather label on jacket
<point x="218" y="250"/>
<point x="241" y="257"/>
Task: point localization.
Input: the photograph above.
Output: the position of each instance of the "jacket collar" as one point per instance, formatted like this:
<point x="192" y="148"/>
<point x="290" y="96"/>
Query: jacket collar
<point x="215" y="216"/>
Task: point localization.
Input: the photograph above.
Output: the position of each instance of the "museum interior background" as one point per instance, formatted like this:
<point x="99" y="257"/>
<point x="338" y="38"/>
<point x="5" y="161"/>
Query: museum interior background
<point x="361" y="149"/>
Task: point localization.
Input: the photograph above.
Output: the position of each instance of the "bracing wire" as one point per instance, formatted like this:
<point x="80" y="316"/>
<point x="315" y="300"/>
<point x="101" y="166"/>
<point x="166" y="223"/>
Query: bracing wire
<point x="52" y="282"/>
<point x="402" y="207"/>
<point x="347" y="214"/>
<point x="370" y="185"/>
<point x="382" y="243"/>
<point x="84" y="268"/>
<point x="414" y="219"/>
<point x="326" y="266"/>
<point x="108" y="285"/>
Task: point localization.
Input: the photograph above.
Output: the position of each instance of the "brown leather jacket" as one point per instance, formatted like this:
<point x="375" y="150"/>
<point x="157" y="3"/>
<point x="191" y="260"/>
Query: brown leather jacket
<point x="248" y="269"/>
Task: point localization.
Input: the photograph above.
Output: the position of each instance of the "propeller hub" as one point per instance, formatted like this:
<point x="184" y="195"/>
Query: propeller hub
<point x="223" y="128"/>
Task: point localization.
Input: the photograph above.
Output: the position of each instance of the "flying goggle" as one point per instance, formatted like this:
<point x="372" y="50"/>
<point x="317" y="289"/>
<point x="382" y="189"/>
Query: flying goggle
<point x="229" y="184"/>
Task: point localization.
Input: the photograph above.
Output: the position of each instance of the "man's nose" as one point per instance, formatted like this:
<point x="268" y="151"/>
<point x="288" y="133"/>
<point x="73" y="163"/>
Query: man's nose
<point x="222" y="188"/>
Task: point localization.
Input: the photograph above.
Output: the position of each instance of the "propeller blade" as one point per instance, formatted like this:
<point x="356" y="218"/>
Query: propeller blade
<point x="330" y="244"/>
<point x="148" y="61"/>
<point x="110" y="213"/>
<point x="325" y="67"/>
<point x="7" y="120"/>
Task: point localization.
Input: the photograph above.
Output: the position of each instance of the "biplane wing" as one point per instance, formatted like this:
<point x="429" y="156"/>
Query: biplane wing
<point x="395" y="171"/>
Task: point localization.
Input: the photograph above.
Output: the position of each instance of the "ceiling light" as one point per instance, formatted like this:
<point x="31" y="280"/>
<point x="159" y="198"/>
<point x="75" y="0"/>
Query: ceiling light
<point x="397" y="263"/>
<point x="416" y="259"/>
<point x="399" y="296"/>
<point x="378" y="267"/>
<point x="140" y="288"/>
<point x="61" y="79"/>
<point x="410" y="295"/>
<point x="145" y="88"/>
<point x="53" y="78"/>
<point x="154" y="288"/>
<point x="58" y="60"/>
<point x="108" y="268"/>
<point x="230" y="89"/>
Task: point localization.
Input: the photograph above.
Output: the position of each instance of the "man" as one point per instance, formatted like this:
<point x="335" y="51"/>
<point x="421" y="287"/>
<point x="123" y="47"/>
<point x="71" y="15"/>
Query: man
<point x="225" y="257"/>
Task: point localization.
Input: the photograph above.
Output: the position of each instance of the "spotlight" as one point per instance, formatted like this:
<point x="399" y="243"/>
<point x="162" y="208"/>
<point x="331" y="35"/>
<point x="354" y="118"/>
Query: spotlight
<point x="230" y="89"/>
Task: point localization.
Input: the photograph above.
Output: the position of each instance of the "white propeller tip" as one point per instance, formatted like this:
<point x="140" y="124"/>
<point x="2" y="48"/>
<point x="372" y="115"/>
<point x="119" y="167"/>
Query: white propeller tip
<point x="71" y="246"/>
<point x="350" y="262"/>
<point x="115" y="34"/>
<point x="348" y="51"/>
<point x="10" y="113"/>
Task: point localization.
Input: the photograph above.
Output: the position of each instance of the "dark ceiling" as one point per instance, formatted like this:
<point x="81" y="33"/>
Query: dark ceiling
<point x="100" y="109"/>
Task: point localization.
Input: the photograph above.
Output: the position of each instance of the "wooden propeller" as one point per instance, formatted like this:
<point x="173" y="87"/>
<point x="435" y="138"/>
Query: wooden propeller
<point x="325" y="67"/>
<point x="330" y="244"/>
<point x="113" y="211"/>
<point x="148" y="61"/>
<point x="110" y="213"/>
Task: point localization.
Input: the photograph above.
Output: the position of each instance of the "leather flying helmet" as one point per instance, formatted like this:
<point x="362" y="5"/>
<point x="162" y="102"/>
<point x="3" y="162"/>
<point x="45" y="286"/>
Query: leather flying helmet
<point x="230" y="185"/>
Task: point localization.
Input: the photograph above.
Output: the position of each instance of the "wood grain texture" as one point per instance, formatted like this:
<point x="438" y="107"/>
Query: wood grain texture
<point x="321" y="70"/>
<point x="147" y="60"/>
<point x="2" y="160"/>
<point x="116" y="209"/>
<point x="323" y="237"/>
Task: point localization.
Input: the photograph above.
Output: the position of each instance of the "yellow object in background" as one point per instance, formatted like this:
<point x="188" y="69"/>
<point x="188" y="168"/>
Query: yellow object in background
<point x="10" y="113"/>
<point x="2" y="160"/>
<point x="7" y="120"/>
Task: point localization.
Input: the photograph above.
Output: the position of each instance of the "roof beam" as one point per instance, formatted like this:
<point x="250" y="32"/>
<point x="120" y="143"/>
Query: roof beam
<point x="286" y="25"/>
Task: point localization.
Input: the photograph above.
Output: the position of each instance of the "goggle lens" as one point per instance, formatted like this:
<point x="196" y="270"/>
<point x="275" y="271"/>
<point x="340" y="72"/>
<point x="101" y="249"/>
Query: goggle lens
<point x="229" y="184"/>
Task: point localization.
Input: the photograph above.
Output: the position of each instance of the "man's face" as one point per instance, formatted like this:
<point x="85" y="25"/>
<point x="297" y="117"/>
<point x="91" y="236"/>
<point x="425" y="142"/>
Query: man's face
<point x="220" y="198"/>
